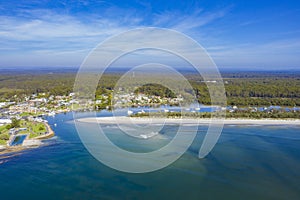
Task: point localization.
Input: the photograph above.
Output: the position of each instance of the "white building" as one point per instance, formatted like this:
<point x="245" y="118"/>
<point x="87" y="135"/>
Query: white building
<point x="5" y="121"/>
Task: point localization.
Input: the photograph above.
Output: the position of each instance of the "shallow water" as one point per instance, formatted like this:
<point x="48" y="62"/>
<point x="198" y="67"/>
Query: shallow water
<point x="18" y="140"/>
<point x="249" y="162"/>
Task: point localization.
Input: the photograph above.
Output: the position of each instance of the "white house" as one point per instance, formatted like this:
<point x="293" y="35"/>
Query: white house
<point x="5" y="121"/>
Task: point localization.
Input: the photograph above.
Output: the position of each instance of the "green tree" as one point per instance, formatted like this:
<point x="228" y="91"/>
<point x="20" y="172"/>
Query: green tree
<point x="15" y="123"/>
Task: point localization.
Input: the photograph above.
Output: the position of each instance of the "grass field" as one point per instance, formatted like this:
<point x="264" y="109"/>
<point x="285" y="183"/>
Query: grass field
<point x="34" y="129"/>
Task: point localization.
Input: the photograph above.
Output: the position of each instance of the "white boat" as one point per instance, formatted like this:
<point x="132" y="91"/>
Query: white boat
<point x="51" y="114"/>
<point x="144" y="136"/>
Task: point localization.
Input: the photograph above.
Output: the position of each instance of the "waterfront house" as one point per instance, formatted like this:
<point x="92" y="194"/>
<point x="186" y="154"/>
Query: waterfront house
<point x="5" y="121"/>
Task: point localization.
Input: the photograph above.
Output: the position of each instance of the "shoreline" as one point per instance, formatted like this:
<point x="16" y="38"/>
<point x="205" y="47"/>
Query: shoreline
<point x="191" y="121"/>
<point x="50" y="133"/>
<point x="31" y="143"/>
<point x="15" y="149"/>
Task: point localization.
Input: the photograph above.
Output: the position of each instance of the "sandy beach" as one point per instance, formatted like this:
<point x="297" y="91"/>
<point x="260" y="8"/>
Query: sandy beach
<point x="136" y="120"/>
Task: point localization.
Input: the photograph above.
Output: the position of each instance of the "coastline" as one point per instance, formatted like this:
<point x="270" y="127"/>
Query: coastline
<point x="15" y="149"/>
<point x="48" y="135"/>
<point x="191" y="121"/>
<point x="29" y="143"/>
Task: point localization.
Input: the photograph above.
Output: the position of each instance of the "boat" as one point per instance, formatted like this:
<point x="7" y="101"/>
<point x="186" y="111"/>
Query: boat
<point x="52" y="114"/>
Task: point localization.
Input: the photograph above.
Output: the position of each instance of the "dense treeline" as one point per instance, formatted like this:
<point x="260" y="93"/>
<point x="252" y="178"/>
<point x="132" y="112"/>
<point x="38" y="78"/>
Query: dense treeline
<point x="242" y="89"/>
<point x="255" y="91"/>
<point x="56" y="84"/>
<point x="155" y="90"/>
<point x="239" y="114"/>
<point x="268" y="88"/>
<point x="260" y="115"/>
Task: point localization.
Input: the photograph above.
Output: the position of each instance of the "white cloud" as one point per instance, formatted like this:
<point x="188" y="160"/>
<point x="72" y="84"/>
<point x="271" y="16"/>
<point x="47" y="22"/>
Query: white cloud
<point x="275" y="54"/>
<point x="55" y="27"/>
<point x="42" y="35"/>
<point x="186" y="22"/>
<point x="44" y="38"/>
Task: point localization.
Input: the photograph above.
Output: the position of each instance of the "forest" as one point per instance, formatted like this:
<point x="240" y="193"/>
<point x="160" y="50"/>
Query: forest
<point x="242" y="88"/>
<point x="153" y="89"/>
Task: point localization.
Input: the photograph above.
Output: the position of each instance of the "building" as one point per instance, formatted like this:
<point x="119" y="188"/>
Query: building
<point x="5" y="121"/>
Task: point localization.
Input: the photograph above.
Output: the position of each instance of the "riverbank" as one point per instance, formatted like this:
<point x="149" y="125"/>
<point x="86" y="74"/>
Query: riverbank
<point x="195" y="121"/>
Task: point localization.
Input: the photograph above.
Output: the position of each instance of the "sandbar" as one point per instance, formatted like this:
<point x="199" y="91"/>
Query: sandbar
<point x="191" y="121"/>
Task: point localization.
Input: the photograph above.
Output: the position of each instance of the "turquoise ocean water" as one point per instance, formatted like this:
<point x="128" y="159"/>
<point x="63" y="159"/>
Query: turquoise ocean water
<point x="248" y="162"/>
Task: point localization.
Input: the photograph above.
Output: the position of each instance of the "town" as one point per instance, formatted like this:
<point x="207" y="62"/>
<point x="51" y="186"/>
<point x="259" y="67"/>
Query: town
<point x="22" y="122"/>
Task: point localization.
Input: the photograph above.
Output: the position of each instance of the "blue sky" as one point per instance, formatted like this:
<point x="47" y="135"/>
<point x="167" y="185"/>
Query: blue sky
<point x="254" y="34"/>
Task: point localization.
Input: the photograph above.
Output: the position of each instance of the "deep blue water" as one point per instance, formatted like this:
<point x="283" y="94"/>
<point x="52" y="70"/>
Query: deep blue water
<point x="249" y="162"/>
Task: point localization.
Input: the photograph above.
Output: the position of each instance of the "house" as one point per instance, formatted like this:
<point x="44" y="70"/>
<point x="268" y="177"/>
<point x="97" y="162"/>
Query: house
<point x="37" y="102"/>
<point x="5" y="121"/>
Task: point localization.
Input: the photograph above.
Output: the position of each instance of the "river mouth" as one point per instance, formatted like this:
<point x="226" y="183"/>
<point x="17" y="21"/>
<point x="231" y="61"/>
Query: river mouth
<point x="248" y="162"/>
